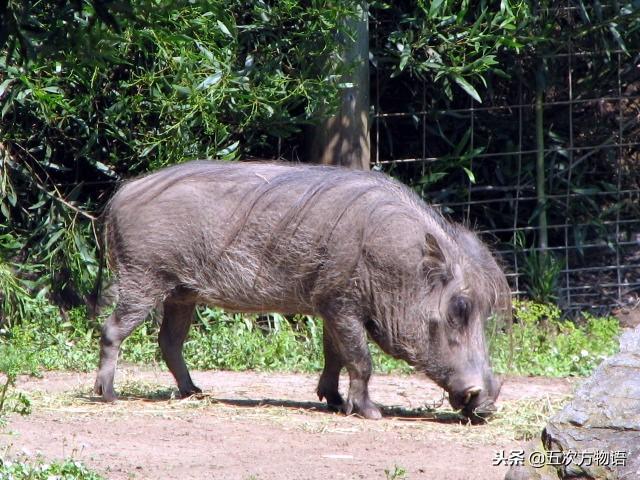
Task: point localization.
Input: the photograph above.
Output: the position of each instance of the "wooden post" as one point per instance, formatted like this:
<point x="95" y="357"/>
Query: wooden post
<point x="344" y="138"/>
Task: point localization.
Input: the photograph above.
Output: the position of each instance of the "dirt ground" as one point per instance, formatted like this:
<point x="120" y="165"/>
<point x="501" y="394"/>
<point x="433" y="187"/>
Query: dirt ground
<point x="263" y="426"/>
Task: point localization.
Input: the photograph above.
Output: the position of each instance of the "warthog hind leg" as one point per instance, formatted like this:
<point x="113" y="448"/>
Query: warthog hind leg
<point x="128" y="314"/>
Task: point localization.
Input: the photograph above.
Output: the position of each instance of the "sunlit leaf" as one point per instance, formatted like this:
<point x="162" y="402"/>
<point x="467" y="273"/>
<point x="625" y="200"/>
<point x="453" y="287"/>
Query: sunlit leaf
<point x="209" y="81"/>
<point x="470" y="175"/>
<point x="228" y="150"/>
<point x="224" y="29"/>
<point x="435" y="7"/>
<point x="4" y="85"/>
<point x="467" y="87"/>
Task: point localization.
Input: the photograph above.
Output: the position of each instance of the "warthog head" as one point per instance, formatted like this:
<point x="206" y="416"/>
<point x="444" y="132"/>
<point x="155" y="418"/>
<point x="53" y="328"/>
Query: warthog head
<point x="437" y="313"/>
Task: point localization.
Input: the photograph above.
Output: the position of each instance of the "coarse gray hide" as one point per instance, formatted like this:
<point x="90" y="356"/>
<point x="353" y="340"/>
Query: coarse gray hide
<point x="356" y="248"/>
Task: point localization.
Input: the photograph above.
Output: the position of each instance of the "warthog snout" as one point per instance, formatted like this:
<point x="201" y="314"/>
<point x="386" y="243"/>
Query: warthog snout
<point x="477" y="399"/>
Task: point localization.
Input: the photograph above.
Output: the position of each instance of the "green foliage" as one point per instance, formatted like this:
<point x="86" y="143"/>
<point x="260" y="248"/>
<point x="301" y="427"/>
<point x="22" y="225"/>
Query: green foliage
<point x="64" y="470"/>
<point x="92" y="91"/>
<point x="544" y="344"/>
<point x="541" y="271"/>
<point x="462" y="43"/>
<point x="396" y="473"/>
<point x="49" y="342"/>
<point x="220" y="340"/>
<point x="237" y="342"/>
<point x="422" y="51"/>
<point x="186" y="79"/>
<point x="217" y="340"/>
<point x="14" y="295"/>
<point x="450" y="42"/>
<point x="11" y="401"/>
<point x="541" y="343"/>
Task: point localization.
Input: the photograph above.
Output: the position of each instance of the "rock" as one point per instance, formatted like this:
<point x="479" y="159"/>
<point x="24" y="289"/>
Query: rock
<point x="597" y="435"/>
<point x="528" y="471"/>
<point x="628" y="317"/>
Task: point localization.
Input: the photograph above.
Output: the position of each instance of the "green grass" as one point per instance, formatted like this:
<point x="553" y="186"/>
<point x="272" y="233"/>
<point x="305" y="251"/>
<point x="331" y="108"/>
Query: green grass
<point x="540" y="343"/>
<point x="396" y="473"/>
<point x="12" y="401"/>
<point x="65" y="470"/>
<point x="218" y="340"/>
<point x="47" y="342"/>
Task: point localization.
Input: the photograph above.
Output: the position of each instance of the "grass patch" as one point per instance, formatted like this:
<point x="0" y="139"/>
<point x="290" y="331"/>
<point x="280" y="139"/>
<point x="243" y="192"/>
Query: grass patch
<point x="236" y="342"/>
<point x="544" y="344"/>
<point x="48" y="342"/>
<point x="541" y="343"/>
<point x="525" y="419"/>
<point x="12" y="401"/>
<point x="218" y="340"/>
<point x="65" y="470"/>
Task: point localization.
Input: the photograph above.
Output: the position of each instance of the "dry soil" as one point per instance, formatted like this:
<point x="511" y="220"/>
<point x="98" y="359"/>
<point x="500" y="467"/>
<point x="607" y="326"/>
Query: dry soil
<point x="264" y="426"/>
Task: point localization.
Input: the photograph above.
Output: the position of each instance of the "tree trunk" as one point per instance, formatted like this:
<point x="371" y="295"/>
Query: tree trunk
<point x="344" y="138"/>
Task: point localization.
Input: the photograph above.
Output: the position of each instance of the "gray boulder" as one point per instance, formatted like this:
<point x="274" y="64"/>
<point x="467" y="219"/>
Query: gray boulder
<point x="597" y="435"/>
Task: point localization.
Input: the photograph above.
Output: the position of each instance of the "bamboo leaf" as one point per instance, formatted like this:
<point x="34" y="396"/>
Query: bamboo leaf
<point x="228" y="150"/>
<point x="5" y="211"/>
<point x="467" y="87"/>
<point x="472" y="177"/>
<point x="617" y="37"/>
<point x="434" y="9"/>
<point x="224" y="29"/>
<point x="209" y="81"/>
<point x="4" y="85"/>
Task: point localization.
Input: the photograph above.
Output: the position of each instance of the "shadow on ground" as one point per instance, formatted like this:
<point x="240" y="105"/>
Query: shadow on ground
<point x="167" y="394"/>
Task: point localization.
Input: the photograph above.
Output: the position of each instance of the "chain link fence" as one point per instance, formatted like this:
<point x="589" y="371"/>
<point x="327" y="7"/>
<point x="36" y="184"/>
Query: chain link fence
<point x="479" y="163"/>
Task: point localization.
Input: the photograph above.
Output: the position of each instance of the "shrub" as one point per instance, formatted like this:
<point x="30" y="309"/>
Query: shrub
<point x="65" y="470"/>
<point x="541" y="343"/>
<point x="84" y="104"/>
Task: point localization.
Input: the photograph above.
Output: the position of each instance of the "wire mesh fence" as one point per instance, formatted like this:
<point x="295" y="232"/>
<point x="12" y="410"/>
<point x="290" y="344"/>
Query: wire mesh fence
<point x="478" y="162"/>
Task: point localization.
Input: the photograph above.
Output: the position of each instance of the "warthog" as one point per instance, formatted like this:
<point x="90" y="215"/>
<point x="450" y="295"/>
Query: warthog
<point x="356" y="248"/>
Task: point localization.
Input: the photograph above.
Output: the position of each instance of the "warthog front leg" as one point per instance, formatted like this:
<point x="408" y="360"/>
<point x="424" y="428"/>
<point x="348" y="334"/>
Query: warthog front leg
<point x="173" y="332"/>
<point x="349" y="341"/>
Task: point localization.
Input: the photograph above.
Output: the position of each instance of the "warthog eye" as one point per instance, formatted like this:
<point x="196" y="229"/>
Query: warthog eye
<point x="459" y="309"/>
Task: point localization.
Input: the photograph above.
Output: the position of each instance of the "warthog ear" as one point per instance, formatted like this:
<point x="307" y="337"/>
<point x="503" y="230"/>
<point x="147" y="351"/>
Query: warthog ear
<point x="432" y="249"/>
<point x="434" y="265"/>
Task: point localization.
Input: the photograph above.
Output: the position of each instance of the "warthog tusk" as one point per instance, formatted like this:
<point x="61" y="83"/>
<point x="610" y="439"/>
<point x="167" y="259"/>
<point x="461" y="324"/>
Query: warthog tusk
<point x="471" y="392"/>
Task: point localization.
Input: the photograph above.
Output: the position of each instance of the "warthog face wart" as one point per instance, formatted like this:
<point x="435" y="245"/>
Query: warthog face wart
<point x="356" y="248"/>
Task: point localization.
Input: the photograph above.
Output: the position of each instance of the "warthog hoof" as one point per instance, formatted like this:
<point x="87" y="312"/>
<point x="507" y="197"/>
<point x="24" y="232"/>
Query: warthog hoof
<point x="107" y="394"/>
<point x="335" y="403"/>
<point x="188" y="392"/>
<point x="365" y="408"/>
